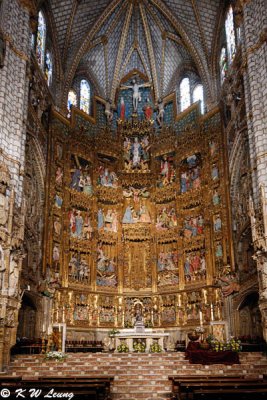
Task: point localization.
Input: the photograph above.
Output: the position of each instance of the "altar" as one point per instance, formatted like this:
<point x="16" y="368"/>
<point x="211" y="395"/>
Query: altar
<point x="148" y="337"/>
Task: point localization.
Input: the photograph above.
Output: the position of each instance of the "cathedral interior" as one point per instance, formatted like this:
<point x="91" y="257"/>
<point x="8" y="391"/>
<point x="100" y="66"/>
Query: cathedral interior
<point x="133" y="179"/>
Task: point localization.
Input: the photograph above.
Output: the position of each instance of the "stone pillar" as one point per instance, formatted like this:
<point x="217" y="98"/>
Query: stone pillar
<point x="15" y="30"/>
<point x="15" y="41"/>
<point x="255" y="80"/>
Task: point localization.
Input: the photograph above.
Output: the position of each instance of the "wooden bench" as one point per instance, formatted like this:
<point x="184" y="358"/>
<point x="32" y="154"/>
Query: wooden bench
<point x="229" y="394"/>
<point x="204" y="387"/>
<point x="85" y="387"/>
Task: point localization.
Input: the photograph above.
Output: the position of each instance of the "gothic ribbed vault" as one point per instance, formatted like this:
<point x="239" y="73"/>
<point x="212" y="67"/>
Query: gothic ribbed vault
<point x="107" y="39"/>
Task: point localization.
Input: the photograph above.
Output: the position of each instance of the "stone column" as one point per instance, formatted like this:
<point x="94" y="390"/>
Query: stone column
<point x="255" y="80"/>
<point x="15" y="40"/>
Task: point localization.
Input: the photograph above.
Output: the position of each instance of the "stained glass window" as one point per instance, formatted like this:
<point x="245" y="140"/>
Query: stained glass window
<point x="185" y="94"/>
<point x="198" y="95"/>
<point x="33" y="41"/>
<point x="223" y="64"/>
<point x="48" y="68"/>
<point x="40" y="42"/>
<point x="72" y="99"/>
<point x="85" y="96"/>
<point x="230" y="34"/>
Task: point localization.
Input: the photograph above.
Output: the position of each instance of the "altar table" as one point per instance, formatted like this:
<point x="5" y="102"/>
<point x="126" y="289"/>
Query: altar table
<point x="129" y="336"/>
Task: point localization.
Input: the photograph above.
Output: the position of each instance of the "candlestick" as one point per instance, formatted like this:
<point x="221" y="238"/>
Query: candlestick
<point x="211" y="312"/>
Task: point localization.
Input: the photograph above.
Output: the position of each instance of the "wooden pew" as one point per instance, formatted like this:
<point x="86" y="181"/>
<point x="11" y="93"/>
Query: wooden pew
<point x="85" y="387"/>
<point x="199" y="387"/>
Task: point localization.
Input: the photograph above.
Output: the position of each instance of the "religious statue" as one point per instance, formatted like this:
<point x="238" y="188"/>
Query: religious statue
<point x="4" y="203"/>
<point x="13" y="277"/>
<point x="88" y="186"/>
<point x="139" y="320"/>
<point x="59" y="176"/>
<point x="218" y="250"/>
<point x="56" y="255"/>
<point x="122" y="109"/>
<point x="58" y="201"/>
<point x="57" y="226"/>
<point x="230" y="285"/>
<point x="136" y="152"/>
<point x="136" y="93"/>
<point x="75" y="179"/>
<point x="216" y="198"/>
<point x="127" y="218"/>
<point x="87" y="228"/>
<point x="59" y="152"/>
<point x="167" y="171"/>
<point x="214" y="172"/>
<point x="161" y="111"/>
<point x="2" y="266"/>
<point x="108" y="111"/>
<point x="78" y="224"/>
<point x="217" y="223"/>
<point x="148" y="110"/>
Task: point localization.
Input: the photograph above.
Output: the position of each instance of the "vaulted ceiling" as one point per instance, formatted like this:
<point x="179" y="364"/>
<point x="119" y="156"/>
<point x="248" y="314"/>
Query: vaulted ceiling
<point x="107" y="39"/>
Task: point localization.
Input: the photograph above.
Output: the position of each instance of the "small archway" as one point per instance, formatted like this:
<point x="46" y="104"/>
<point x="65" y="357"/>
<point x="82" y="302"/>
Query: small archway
<point x="250" y="324"/>
<point x="27" y="318"/>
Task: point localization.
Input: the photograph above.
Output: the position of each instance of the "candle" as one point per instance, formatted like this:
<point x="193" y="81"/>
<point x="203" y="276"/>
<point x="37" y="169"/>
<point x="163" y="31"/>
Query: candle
<point x="205" y="296"/>
<point x="201" y="318"/>
<point x="211" y="312"/>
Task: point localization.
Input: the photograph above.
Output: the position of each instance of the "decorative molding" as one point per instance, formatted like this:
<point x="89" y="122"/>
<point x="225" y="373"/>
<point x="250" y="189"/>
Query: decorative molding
<point x="202" y="35"/>
<point x="150" y="50"/>
<point x="122" y="43"/>
<point x="69" y="28"/>
<point x="30" y="5"/>
<point x="18" y="52"/>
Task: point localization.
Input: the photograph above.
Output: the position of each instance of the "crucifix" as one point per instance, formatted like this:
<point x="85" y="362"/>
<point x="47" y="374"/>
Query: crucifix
<point x="136" y="93"/>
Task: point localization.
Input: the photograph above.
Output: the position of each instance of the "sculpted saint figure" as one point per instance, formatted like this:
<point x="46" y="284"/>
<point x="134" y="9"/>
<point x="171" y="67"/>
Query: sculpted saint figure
<point x="3" y="206"/>
<point x="108" y="111"/>
<point x="161" y="111"/>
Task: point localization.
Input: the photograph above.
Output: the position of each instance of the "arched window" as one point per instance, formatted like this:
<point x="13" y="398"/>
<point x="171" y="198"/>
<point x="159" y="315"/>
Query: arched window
<point x="48" y="68"/>
<point x="198" y="95"/>
<point x="72" y="99"/>
<point x="41" y="38"/>
<point x="230" y="34"/>
<point x="85" y="94"/>
<point x="223" y="64"/>
<point x="185" y="100"/>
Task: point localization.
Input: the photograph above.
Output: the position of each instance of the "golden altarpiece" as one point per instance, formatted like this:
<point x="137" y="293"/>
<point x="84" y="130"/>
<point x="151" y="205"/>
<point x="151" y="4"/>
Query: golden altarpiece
<point x="137" y="217"/>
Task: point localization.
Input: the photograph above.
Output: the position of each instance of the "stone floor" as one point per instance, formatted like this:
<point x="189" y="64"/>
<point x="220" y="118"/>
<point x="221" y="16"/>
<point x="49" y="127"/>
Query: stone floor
<point x="136" y="376"/>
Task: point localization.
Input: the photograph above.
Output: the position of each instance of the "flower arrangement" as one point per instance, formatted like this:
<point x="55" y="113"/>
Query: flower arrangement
<point x="128" y="325"/>
<point x="122" y="348"/>
<point x="139" y="347"/>
<point x="155" y="348"/>
<point x="232" y="344"/>
<point x="210" y="338"/>
<point x="113" y="332"/>
<point x="55" y="355"/>
<point x="148" y="324"/>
